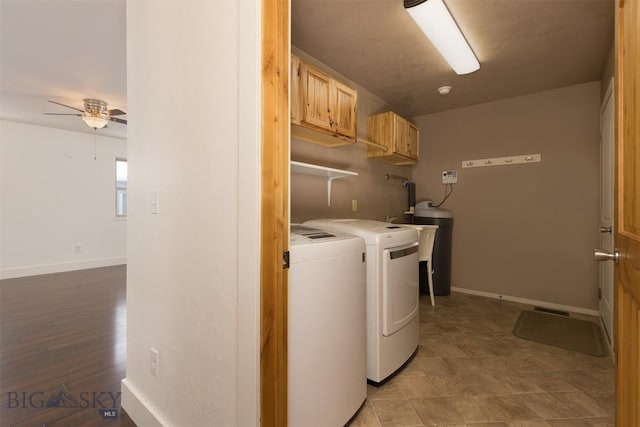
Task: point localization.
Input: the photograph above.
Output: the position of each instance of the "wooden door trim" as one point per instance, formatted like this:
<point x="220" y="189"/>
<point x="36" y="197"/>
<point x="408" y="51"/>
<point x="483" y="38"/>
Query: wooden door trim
<point x="627" y="271"/>
<point x="274" y="212"/>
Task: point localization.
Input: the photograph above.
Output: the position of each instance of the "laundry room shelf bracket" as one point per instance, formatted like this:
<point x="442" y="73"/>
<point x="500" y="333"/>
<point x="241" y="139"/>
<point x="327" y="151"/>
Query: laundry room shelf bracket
<point x="329" y="173"/>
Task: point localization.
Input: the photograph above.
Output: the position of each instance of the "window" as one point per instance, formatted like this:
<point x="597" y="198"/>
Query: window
<point x="121" y="187"/>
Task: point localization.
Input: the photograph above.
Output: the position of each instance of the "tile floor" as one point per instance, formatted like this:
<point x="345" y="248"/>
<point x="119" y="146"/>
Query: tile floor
<point x="471" y="371"/>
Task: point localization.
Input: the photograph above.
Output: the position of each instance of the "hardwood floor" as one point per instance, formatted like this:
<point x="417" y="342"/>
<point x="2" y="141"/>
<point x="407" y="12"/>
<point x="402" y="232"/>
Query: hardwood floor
<point x="63" y="349"/>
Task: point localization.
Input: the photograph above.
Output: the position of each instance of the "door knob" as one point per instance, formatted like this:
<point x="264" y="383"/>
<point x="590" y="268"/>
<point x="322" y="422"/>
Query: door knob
<point x="602" y="255"/>
<point x="605" y="229"/>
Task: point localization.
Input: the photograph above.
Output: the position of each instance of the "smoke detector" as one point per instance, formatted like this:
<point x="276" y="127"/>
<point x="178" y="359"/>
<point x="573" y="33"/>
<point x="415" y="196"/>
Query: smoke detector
<point x="444" y="90"/>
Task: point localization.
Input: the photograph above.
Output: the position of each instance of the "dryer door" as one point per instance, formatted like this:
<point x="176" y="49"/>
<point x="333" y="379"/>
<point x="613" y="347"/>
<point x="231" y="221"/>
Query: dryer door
<point x="400" y="290"/>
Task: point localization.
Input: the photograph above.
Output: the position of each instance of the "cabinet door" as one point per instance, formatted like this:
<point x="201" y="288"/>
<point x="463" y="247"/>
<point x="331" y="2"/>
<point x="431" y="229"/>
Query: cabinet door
<point x="316" y="94"/>
<point x="413" y="141"/>
<point x="401" y="131"/>
<point x="379" y="130"/>
<point x="406" y="138"/>
<point x="296" y="91"/>
<point x="344" y="103"/>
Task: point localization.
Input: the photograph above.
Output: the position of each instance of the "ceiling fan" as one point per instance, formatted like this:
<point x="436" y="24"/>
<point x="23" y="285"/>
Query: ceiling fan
<point x="95" y="113"/>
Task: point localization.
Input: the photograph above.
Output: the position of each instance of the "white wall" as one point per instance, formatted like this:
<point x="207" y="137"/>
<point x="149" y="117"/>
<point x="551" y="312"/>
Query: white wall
<point x="192" y="277"/>
<point x="57" y="201"/>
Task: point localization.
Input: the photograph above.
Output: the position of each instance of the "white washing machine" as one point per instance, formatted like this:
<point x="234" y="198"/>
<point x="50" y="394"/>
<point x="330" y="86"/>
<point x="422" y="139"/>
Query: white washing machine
<point x="392" y="292"/>
<point x="327" y="352"/>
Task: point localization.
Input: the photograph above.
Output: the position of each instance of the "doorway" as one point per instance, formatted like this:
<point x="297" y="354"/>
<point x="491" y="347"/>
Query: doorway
<point x="607" y="183"/>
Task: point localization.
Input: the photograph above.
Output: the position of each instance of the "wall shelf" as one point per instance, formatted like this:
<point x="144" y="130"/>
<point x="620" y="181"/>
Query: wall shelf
<point x="329" y="173"/>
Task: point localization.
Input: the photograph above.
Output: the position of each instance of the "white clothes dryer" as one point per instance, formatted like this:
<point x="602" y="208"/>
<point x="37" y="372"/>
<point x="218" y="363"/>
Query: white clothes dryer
<point x="327" y="380"/>
<point x="392" y="292"/>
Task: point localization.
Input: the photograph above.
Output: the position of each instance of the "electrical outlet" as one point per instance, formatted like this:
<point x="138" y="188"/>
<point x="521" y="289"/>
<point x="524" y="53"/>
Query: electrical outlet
<point x="450" y="177"/>
<point x="155" y="362"/>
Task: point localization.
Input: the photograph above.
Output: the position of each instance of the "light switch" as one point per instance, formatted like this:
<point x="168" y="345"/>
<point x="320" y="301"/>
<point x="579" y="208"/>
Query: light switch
<point x="354" y="205"/>
<point x="155" y="201"/>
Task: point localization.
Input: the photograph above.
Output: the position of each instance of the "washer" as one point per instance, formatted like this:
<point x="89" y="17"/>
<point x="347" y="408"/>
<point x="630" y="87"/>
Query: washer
<point x="327" y="351"/>
<point x="392" y="292"/>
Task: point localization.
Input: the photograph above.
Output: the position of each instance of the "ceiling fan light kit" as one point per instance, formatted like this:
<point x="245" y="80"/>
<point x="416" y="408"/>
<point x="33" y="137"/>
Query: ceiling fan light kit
<point x="94" y="121"/>
<point x="434" y="19"/>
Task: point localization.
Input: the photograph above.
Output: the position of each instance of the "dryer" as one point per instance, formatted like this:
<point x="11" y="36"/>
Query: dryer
<point x="392" y="292"/>
<point x="327" y="379"/>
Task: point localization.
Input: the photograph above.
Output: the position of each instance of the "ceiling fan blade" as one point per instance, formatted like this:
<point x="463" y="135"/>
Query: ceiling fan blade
<point x="68" y="106"/>
<point x="63" y="114"/>
<point x="117" y="120"/>
<point x="117" y="112"/>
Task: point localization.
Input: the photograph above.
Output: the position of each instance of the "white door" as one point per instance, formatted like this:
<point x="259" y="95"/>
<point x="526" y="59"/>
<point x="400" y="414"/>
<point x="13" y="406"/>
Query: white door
<point x="607" y="140"/>
<point x="400" y="287"/>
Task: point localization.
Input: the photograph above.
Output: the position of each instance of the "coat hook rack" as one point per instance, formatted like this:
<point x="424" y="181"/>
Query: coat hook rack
<point x="502" y="161"/>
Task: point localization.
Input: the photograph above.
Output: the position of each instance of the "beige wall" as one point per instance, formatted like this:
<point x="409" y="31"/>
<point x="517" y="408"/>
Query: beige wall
<point x="377" y="197"/>
<point x="525" y="230"/>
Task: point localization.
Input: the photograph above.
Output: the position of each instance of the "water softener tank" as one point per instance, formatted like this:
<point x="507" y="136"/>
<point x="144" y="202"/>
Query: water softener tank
<point x="426" y="214"/>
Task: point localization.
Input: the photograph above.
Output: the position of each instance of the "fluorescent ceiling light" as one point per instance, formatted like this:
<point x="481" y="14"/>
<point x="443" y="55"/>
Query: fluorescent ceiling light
<point x="434" y="19"/>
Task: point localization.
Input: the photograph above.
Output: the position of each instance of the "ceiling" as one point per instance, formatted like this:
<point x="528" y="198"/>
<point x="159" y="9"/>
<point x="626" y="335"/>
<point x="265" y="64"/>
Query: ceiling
<point x="64" y="51"/>
<point x="69" y="50"/>
<point x="524" y="46"/>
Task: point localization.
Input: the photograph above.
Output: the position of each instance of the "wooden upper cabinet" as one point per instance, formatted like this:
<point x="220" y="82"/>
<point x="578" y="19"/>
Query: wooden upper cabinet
<point x="398" y="135"/>
<point x="323" y="110"/>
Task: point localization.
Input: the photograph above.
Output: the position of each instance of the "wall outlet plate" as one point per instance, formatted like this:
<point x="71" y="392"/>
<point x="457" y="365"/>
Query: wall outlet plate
<point x="450" y="177"/>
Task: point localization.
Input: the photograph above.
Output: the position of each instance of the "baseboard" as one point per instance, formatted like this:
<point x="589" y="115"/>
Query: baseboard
<point x="138" y="408"/>
<point x="36" y="270"/>
<point x="555" y="306"/>
<point x="610" y="343"/>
